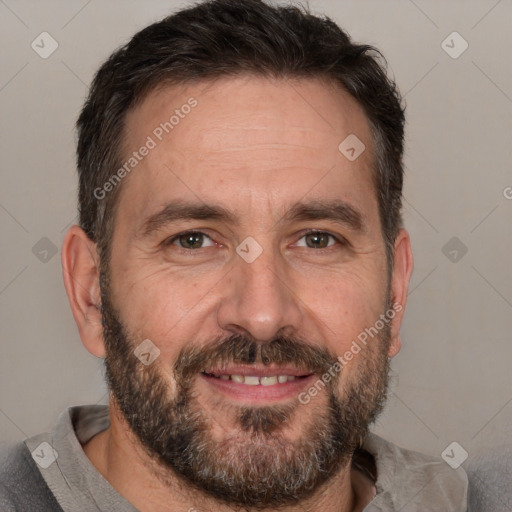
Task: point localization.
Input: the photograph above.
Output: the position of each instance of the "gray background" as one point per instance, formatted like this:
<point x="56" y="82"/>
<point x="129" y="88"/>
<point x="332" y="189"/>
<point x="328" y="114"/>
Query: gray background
<point x="452" y="381"/>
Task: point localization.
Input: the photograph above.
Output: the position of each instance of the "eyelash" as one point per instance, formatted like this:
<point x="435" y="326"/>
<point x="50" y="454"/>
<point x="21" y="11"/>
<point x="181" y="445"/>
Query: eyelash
<point x="170" y="241"/>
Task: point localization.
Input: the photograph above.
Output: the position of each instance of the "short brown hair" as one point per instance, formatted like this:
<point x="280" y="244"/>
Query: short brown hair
<point x="227" y="37"/>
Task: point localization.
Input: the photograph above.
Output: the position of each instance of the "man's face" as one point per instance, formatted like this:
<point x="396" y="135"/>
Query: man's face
<point x="248" y="308"/>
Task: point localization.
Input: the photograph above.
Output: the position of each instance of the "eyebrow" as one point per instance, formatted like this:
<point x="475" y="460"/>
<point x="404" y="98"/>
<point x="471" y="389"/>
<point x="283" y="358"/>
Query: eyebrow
<point x="179" y="210"/>
<point x="337" y="211"/>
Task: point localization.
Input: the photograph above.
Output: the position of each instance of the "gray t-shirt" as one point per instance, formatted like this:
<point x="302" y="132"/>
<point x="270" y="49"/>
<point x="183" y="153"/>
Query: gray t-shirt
<point x="490" y="477"/>
<point x="51" y="473"/>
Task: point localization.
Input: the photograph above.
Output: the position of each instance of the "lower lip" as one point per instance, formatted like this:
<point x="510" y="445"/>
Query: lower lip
<point x="259" y="394"/>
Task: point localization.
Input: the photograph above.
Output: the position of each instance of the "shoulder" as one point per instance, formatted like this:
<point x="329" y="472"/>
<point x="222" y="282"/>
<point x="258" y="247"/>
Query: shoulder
<point x="6" y="492"/>
<point x="413" y="481"/>
<point x="12" y="475"/>
<point x="490" y="480"/>
<point x="21" y="485"/>
<point x="13" y="464"/>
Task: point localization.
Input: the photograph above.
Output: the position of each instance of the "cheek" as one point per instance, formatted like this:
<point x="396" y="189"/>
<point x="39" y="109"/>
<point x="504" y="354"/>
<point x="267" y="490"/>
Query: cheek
<point x="344" y="305"/>
<point x="167" y="307"/>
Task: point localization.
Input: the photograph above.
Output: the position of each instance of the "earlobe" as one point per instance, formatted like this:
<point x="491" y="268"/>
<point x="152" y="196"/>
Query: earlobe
<point x="80" y="264"/>
<point x="394" y="346"/>
<point x="402" y="271"/>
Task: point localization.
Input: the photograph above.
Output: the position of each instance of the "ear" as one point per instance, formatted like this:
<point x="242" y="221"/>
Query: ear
<point x="80" y="269"/>
<point x="402" y="270"/>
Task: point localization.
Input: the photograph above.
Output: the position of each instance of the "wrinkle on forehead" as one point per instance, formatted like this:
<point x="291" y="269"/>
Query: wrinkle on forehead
<point x="247" y="139"/>
<point x="227" y="138"/>
<point x="301" y="112"/>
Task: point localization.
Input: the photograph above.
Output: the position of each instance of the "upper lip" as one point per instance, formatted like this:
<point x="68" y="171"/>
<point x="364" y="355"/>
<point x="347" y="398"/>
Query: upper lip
<point x="256" y="370"/>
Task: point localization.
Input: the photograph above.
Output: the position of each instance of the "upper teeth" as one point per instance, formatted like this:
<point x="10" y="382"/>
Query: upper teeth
<point x="253" y="380"/>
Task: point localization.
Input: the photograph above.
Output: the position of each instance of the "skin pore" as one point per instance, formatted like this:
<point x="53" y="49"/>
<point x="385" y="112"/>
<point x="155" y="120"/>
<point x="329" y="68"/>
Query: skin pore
<point x="263" y="156"/>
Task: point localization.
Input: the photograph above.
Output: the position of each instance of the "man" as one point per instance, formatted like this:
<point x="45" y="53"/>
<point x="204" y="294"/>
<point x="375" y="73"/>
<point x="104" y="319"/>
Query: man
<point x="241" y="266"/>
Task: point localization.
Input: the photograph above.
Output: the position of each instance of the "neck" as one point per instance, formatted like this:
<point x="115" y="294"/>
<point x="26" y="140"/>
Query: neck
<point x="121" y="460"/>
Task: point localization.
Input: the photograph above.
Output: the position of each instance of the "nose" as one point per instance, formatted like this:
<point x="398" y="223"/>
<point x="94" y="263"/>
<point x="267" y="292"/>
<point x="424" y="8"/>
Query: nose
<point x="259" y="300"/>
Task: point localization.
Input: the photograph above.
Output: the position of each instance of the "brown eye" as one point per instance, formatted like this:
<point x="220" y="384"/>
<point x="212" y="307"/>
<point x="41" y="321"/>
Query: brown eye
<point x="317" y="240"/>
<point x="191" y="240"/>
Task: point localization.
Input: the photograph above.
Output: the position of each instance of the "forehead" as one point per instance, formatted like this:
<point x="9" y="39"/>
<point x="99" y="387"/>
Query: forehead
<point x="246" y="140"/>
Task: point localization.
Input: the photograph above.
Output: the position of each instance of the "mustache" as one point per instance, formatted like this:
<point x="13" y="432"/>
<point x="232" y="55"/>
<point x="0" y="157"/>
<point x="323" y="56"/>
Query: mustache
<point x="239" y="349"/>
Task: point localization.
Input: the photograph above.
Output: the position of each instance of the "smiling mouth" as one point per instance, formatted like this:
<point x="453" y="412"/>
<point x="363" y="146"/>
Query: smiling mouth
<point x="251" y="387"/>
<point x="256" y="383"/>
<point x="256" y="380"/>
